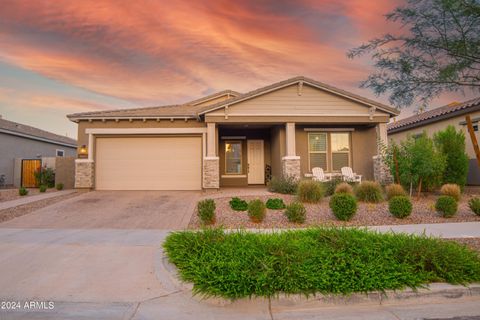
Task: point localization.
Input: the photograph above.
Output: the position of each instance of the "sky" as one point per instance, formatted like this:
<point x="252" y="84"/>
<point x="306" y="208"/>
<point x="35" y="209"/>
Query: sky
<point x="59" y="57"/>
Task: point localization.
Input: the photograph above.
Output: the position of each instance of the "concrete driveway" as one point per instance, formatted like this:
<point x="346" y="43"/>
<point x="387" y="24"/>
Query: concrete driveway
<point x="114" y="210"/>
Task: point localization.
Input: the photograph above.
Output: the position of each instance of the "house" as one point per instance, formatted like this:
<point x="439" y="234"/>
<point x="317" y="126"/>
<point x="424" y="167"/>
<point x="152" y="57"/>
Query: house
<point x="23" y="148"/>
<point x="231" y="139"/>
<point x="438" y="119"/>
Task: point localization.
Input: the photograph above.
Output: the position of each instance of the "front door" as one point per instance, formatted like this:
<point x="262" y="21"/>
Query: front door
<point x="256" y="162"/>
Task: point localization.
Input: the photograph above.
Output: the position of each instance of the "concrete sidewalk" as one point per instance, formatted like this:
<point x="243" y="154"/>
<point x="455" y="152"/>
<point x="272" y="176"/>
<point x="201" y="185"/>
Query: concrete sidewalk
<point x="29" y="199"/>
<point x="441" y="230"/>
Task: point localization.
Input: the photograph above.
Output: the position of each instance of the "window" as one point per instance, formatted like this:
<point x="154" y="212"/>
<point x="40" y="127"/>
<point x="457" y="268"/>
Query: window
<point x="317" y="150"/>
<point x="60" y="153"/>
<point x="329" y="150"/>
<point x="340" y="145"/>
<point x="233" y="157"/>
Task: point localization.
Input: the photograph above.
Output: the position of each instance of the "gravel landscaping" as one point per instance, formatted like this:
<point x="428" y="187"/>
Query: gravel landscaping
<point x="472" y="243"/>
<point x="11" y="213"/>
<point x="12" y="194"/>
<point x="320" y="214"/>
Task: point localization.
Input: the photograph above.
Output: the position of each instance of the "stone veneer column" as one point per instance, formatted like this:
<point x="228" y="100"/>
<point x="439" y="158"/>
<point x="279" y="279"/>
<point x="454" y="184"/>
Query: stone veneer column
<point x="211" y="176"/>
<point x="84" y="174"/>
<point x="291" y="166"/>
<point x="381" y="172"/>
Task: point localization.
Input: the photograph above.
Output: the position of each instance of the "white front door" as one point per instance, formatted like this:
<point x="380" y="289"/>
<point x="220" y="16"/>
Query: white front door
<point x="256" y="162"/>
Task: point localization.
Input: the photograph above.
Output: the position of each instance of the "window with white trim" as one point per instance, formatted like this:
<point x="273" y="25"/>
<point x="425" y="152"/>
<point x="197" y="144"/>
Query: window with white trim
<point x="317" y="150"/>
<point x="329" y="150"/>
<point x="340" y="146"/>
<point x="233" y="157"/>
<point x="60" y="153"/>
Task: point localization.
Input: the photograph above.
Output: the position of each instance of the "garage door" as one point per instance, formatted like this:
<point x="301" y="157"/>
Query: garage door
<point x="148" y="163"/>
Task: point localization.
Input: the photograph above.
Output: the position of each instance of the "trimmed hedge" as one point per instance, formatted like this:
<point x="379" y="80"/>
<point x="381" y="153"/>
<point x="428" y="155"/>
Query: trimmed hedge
<point x="343" y="205"/>
<point x="400" y="206"/>
<point x="447" y="206"/>
<point x="474" y="205"/>
<point x="275" y="204"/>
<point x="238" y="204"/>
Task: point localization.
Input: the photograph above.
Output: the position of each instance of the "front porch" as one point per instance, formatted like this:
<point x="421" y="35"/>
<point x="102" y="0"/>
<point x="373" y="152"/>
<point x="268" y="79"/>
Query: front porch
<point x="249" y="154"/>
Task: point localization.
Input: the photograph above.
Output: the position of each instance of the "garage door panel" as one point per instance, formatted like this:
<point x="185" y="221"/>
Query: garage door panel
<point x="148" y="163"/>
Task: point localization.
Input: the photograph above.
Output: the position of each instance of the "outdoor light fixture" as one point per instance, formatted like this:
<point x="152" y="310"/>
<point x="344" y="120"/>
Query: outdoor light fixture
<point x="83" y="152"/>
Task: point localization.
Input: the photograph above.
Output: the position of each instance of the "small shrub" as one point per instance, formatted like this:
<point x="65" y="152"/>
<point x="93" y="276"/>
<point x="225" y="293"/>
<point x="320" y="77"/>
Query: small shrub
<point x="394" y="190"/>
<point x="256" y="210"/>
<point x="59" y="186"/>
<point x="343" y="205"/>
<point x="400" y="206"/>
<point x="285" y="185"/>
<point x="474" y="205"/>
<point x="275" y="204"/>
<point x="45" y="176"/>
<point x="295" y="212"/>
<point x="22" y="191"/>
<point x="310" y="191"/>
<point x="206" y="211"/>
<point x="369" y="191"/>
<point x="238" y="204"/>
<point x="452" y="190"/>
<point x="447" y="206"/>
<point x="42" y="188"/>
<point x="330" y="186"/>
<point x="344" y="188"/>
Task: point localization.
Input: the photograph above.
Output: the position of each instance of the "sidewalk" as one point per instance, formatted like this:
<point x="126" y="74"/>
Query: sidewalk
<point x="26" y="200"/>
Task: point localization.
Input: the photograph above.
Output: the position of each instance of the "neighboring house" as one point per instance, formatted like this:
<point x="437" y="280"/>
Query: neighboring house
<point x="19" y="141"/>
<point x="438" y="119"/>
<point x="231" y="139"/>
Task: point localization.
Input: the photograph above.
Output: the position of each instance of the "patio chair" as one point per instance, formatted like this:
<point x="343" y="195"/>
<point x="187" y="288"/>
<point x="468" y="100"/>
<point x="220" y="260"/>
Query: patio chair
<point x="350" y="176"/>
<point x="319" y="175"/>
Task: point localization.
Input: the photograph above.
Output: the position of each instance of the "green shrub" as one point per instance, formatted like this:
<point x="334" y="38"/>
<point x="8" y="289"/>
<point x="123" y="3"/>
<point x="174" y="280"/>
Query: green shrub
<point x="330" y="186"/>
<point x="238" y="204"/>
<point x="275" y="204"/>
<point x="310" y="191"/>
<point x="369" y="191"/>
<point x="394" y="190"/>
<point x="42" y="188"/>
<point x="400" y="206"/>
<point x="295" y="212"/>
<point x="45" y="176"/>
<point x="59" y="186"/>
<point x="206" y="211"/>
<point x="22" y="191"/>
<point x="447" y="206"/>
<point x="285" y="185"/>
<point x="327" y="261"/>
<point x="343" y="206"/>
<point x="474" y="205"/>
<point x="344" y="188"/>
<point x="256" y="210"/>
<point x="452" y="144"/>
<point x="451" y="190"/>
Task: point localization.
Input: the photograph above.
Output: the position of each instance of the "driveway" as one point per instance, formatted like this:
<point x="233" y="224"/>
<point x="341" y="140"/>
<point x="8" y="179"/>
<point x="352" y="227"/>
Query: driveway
<point x="114" y="210"/>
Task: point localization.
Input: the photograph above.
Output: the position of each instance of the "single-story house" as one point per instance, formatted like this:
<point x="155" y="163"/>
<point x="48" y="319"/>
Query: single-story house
<point x="438" y="119"/>
<point x="231" y="139"/>
<point x="23" y="148"/>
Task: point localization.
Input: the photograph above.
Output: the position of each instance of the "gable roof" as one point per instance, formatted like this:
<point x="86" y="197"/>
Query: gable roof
<point x="25" y="131"/>
<point x="437" y="114"/>
<point x="304" y="80"/>
<point x="193" y="109"/>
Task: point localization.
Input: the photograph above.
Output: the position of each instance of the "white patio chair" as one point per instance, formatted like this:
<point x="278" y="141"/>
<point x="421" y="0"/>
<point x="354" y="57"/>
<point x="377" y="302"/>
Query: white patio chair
<point x="319" y="175"/>
<point x="350" y="176"/>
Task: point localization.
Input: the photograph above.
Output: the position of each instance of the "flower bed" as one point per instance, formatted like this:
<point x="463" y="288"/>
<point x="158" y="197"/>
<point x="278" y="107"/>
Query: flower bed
<point x="368" y="214"/>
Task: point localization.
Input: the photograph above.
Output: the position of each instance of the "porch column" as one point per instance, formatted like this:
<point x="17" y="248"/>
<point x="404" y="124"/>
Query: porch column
<point x="85" y="168"/>
<point x="211" y="163"/>
<point x="291" y="162"/>
<point x="381" y="172"/>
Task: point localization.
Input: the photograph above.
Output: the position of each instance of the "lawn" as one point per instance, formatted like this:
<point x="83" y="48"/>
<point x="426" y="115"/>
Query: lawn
<point x="319" y="260"/>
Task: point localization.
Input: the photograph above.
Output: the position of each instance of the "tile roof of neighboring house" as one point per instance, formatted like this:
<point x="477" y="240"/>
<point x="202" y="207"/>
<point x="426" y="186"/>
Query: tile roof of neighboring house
<point x="34" y="133"/>
<point x="434" y="115"/>
<point x="193" y="110"/>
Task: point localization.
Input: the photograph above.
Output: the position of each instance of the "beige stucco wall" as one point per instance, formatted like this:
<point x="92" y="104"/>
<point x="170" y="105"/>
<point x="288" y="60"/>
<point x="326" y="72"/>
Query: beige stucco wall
<point x="438" y="126"/>
<point x="277" y="135"/>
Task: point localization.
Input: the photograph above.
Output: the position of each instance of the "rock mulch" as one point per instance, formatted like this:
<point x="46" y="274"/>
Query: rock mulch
<point x="320" y="214"/>
<point x="12" y="194"/>
<point x="473" y="243"/>
<point x="9" y="214"/>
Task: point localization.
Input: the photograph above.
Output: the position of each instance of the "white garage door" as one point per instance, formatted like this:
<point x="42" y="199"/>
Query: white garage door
<point x="148" y="163"/>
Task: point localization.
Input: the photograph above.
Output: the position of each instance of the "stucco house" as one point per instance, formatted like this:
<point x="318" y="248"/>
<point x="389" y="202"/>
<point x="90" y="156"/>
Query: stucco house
<point x="438" y="119"/>
<point x="232" y="139"/>
<point x="19" y="142"/>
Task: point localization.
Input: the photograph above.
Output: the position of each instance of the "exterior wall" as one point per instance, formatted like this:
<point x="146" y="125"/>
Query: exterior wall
<point x="65" y="171"/>
<point x="363" y="145"/>
<point x="289" y="101"/>
<point x="242" y="180"/>
<point x="474" y="171"/>
<point x="19" y="147"/>
<point x="277" y="149"/>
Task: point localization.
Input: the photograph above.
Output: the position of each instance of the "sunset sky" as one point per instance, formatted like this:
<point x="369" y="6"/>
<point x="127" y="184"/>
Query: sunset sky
<point x="59" y="57"/>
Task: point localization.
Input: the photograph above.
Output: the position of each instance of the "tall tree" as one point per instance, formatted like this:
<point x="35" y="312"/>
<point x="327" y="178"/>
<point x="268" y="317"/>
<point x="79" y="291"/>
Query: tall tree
<point x="437" y="49"/>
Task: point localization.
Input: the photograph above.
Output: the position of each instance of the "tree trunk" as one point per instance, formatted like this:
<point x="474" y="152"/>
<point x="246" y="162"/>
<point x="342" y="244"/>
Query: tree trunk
<point x="419" y="188"/>
<point x="411" y="187"/>
<point x="395" y="160"/>
<point x="471" y="131"/>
